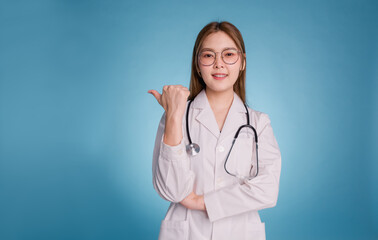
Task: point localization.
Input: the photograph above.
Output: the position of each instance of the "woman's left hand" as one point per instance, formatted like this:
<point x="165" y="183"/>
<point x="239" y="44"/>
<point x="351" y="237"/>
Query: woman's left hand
<point x="194" y="202"/>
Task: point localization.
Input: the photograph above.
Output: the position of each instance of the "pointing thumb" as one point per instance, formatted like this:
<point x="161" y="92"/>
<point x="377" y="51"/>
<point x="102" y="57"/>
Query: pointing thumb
<point x="156" y="94"/>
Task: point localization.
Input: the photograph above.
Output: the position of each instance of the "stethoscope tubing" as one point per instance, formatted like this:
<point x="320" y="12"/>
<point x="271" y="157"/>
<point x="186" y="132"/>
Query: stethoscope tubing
<point x="191" y="147"/>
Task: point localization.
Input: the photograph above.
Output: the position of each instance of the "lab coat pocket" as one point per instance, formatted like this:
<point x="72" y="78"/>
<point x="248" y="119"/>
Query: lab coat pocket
<point x="174" y="230"/>
<point x="256" y="231"/>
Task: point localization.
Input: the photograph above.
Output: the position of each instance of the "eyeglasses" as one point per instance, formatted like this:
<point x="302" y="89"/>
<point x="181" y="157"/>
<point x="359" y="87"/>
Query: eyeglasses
<point x="229" y="56"/>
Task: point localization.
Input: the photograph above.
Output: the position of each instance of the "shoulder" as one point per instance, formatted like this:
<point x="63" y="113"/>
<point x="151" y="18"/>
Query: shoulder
<point x="259" y="116"/>
<point x="259" y="119"/>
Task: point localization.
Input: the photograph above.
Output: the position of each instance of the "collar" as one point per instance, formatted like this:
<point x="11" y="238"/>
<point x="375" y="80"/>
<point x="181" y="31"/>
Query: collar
<point x="235" y="117"/>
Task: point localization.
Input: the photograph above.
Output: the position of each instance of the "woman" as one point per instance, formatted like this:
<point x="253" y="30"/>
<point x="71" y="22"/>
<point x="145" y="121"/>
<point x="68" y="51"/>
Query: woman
<point x="211" y="199"/>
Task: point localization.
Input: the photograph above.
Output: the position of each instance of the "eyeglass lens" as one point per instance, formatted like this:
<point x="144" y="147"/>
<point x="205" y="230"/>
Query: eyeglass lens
<point x="229" y="56"/>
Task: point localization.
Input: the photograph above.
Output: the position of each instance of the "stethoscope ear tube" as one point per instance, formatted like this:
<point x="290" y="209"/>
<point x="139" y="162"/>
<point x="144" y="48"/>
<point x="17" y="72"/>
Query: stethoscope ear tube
<point x="249" y="126"/>
<point x="187" y="123"/>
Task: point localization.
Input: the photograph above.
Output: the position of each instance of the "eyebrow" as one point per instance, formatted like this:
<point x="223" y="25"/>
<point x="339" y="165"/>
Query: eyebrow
<point x="214" y="50"/>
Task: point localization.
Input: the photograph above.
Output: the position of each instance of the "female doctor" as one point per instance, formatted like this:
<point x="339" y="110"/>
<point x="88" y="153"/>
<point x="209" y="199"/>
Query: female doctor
<point x="215" y="192"/>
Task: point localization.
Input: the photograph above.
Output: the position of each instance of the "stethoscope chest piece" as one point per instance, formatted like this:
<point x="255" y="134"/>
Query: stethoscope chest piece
<point x="192" y="149"/>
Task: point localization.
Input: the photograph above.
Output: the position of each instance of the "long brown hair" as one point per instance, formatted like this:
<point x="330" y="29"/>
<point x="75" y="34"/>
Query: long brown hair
<point x="196" y="81"/>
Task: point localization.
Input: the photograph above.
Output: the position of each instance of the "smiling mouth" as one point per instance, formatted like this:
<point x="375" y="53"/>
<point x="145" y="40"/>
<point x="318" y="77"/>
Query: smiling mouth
<point x="219" y="76"/>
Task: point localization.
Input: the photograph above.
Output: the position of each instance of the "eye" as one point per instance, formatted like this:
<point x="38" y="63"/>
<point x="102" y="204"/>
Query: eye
<point x="229" y="54"/>
<point x="207" y="55"/>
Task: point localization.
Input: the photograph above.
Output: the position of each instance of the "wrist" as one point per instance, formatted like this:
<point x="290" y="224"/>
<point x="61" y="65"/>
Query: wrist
<point x="173" y="130"/>
<point x="173" y="117"/>
<point x="201" y="203"/>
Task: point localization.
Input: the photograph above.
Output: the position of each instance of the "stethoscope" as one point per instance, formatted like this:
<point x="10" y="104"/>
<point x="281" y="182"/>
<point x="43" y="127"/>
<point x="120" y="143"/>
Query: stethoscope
<point x="193" y="148"/>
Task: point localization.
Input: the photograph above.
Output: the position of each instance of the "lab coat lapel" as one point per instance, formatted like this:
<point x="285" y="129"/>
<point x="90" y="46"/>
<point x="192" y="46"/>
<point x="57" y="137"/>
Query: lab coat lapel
<point x="206" y="116"/>
<point x="236" y="117"/>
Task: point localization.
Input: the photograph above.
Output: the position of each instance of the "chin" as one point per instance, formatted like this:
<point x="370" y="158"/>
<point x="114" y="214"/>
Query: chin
<point x="219" y="88"/>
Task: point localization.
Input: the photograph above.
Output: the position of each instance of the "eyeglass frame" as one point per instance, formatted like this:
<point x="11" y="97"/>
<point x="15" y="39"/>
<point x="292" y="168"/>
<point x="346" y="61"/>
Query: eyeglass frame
<point x="199" y="54"/>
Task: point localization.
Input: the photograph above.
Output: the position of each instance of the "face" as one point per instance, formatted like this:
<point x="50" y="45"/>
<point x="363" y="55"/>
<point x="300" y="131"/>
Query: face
<point x="211" y="75"/>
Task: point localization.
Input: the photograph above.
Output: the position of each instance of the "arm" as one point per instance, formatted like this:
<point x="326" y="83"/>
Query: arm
<point x="256" y="194"/>
<point x="172" y="178"/>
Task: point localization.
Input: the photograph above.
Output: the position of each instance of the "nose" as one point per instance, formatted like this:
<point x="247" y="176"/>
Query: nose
<point x="218" y="61"/>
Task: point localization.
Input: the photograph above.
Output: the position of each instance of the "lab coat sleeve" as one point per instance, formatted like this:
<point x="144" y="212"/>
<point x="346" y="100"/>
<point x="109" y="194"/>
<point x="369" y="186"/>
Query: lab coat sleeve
<point x="172" y="178"/>
<point x="255" y="194"/>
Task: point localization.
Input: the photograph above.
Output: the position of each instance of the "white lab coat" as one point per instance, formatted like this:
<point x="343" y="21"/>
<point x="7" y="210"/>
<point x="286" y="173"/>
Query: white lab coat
<point x="232" y="204"/>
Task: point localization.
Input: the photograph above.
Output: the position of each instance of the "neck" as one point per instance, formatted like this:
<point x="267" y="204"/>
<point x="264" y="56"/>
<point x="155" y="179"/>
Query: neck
<point x="220" y="100"/>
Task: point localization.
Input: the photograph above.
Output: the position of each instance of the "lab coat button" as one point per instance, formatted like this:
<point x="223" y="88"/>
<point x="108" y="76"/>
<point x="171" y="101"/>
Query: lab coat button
<point x="221" y="149"/>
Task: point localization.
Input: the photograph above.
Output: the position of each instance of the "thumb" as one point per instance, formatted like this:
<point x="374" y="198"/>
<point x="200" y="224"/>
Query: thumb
<point x="156" y="94"/>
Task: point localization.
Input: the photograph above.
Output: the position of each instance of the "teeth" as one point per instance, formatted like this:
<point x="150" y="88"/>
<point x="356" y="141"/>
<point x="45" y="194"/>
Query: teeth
<point x="219" y="75"/>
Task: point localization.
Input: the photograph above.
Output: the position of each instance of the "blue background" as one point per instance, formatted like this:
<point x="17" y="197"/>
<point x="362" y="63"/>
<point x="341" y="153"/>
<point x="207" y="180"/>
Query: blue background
<point x="77" y="126"/>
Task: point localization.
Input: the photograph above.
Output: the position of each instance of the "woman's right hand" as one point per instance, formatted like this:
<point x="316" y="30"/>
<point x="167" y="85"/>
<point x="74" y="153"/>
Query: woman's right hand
<point x="173" y="99"/>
